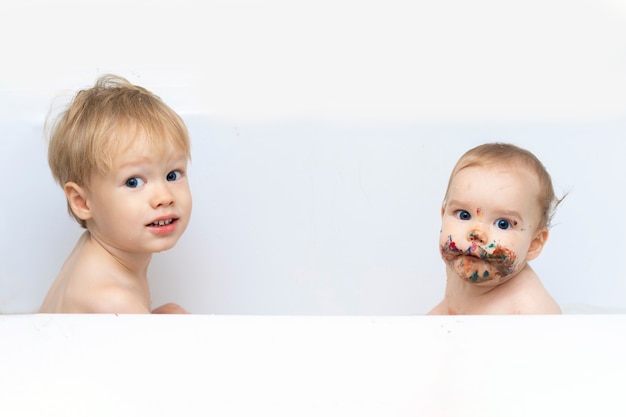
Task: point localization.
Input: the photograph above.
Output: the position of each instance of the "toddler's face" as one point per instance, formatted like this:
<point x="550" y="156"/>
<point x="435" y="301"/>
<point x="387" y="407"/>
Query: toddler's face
<point x="144" y="203"/>
<point x="489" y="222"/>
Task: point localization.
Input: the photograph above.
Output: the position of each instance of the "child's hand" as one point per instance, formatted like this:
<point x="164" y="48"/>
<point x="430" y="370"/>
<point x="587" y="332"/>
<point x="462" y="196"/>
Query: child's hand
<point x="170" y="308"/>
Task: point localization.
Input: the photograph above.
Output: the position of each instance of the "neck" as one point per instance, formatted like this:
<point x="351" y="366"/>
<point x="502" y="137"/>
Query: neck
<point x="133" y="263"/>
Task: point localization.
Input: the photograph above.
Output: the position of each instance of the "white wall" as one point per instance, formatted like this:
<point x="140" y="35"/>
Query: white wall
<point x="323" y="134"/>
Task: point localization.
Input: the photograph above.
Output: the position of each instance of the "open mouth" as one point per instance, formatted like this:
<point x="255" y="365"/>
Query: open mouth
<point x="162" y="222"/>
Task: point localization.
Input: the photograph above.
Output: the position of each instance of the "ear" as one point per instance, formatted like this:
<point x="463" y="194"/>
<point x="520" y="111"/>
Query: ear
<point x="77" y="199"/>
<point x="537" y="244"/>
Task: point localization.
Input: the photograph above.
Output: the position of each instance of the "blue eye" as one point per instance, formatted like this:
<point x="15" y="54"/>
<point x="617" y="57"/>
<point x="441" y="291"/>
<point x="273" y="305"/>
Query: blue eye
<point x="173" y="175"/>
<point x="134" y="182"/>
<point x="463" y="215"/>
<point x="503" y="224"/>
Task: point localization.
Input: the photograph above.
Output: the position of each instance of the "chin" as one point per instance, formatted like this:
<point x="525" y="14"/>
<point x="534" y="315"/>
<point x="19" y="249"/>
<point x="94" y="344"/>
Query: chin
<point x="478" y="278"/>
<point x="473" y="271"/>
<point x="164" y="246"/>
<point x="483" y="283"/>
<point x="494" y="279"/>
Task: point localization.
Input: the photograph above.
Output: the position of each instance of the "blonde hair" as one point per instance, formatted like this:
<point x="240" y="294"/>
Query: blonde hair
<point x="101" y="121"/>
<point x="513" y="156"/>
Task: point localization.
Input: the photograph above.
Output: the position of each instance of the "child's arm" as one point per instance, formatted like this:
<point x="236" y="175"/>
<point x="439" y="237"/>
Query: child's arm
<point x="170" y="308"/>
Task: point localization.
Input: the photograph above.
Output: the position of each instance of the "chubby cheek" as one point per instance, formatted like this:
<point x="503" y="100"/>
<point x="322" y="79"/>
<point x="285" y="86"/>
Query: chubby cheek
<point x="183" y="200"/>
<point x="448" y="247"/>
<point x="187" y="205"/>
<point x="446" y="237"/>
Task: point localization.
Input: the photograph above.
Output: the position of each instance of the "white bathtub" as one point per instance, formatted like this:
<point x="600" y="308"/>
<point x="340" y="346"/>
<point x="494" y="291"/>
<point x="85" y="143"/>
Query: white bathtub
<point x="200" y="365"/>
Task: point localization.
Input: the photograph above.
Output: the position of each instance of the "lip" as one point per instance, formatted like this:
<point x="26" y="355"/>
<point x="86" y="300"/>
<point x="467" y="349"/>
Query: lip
<point x="471" y="257"/>
<point x="166" y="220"/>
<point x="476" y="252"/>
<point x="163" y="225"/>
<point x="502" y="259"/>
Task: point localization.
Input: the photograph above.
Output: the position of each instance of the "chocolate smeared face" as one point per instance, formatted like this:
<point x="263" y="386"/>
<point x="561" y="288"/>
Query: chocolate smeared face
<point x="477" y="264"/>
<point x="490" y="220"/>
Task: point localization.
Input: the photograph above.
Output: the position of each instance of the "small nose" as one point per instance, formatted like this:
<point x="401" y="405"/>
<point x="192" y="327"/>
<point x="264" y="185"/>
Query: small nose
<point x="163" y="196"/>
<point x="477" y="234"/>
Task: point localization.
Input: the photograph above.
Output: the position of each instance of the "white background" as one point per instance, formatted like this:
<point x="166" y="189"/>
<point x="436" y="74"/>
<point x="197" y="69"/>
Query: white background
<point x="323" y="135"/>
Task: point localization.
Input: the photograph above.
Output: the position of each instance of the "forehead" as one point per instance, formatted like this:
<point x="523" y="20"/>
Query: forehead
<point x="141" y="150"/>
<point x="496" y="185"/>
<point x="138" y="139"/>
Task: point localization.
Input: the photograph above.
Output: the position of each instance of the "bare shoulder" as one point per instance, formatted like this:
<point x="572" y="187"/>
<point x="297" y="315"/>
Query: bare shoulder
<point x="95" y="299"/>
<point x="539" y="302"/>
<point x="91" y="281"/>
<point x="107" y="299"/>
<point x="532" y="297"/>
<point x="439" y="310"/>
